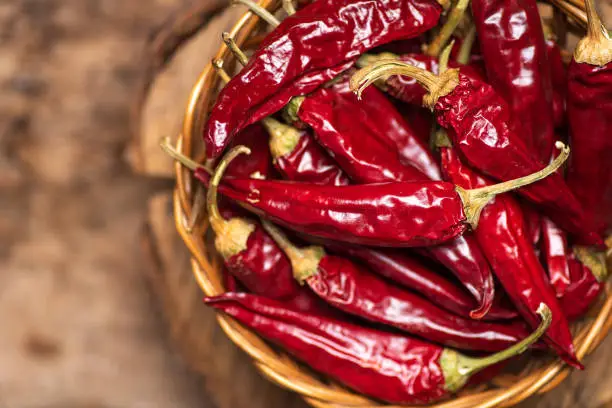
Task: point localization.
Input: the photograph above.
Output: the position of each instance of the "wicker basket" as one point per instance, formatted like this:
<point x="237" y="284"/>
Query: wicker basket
<point x="507" y="389"/>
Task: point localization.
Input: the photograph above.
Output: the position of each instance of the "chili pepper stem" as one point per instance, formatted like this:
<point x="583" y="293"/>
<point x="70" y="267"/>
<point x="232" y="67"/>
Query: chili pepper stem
<point x="231" y="44"/>
<point x="595" y="261"/>
<point x="290" y="112"/>
<point x="445" y="57"/>
<point x="596" y="47"/>
<point x="167" y="147"/>
<point x="476" y="199"/>
<point x="457" y="368"/>
<point x="304" y="261"/>
<point x="436" y="85"/>
<point x="465" y="51"/>
<point x="447" y="30"/>
<point x="231" y="235"/>
<point x="218" y="65"/>
<point x="283" y="138"/>
<point x="288" y="7"/>
<point x="259" y="11"/>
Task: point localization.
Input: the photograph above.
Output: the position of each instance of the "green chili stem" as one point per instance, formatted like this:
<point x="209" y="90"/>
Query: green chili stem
<point x="458" y="368"/>
<point x="216" y="220"/>
<point x="288" y="7"/>
<point x="447" y="30"/>
<point x="259" y="12"/>
<point x="445" y="57"/>
<point x="476" y="199"/>
<point x="305" y="261"/>
<point x="283" y="138"/>
<point x="595" y="261"/>
<point x="366" y="76"/>
<point x="465" y="52"/>
<point x="218" y="65"/>
<point x="167" y="147"/>
<point x="231" y="44"/>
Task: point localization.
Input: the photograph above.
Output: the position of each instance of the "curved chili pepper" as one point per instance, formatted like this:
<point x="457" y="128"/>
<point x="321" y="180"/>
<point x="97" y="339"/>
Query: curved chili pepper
<point x="388" y="214"/>
<point x="555" y="255"/>
<point x="503" y="239"/>
<point x="306" y="50"/>
<point x="354" y="290"/>
<point x="512" y="44"/>
<point x="479" y="120"/>
<point x="297" y="155"/>
<point x="590" y="117"/>
<point x="386" y="366"/>
<point x="369" y="139"/>
<point x="583" y="290"/>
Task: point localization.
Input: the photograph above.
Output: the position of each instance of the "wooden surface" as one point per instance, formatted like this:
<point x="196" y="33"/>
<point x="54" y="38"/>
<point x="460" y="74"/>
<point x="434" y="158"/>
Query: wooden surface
<point x="83" y="323"/>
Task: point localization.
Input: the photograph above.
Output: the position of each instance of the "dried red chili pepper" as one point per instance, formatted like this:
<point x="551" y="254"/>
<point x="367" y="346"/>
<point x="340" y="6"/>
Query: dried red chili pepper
<point x="504" y="241"/>
<point x="555" y="255"/>
<point x="558" y="75"/>
<point x="298" y="157"/>
<point x="586" y="285"/>
<point x="386" y="366"/>
<point x="369" y="139"/>
<point x="512" y="44"/>
<point x="590" y="118"/>
<point x="353" y="289"/>
<point x="388" y="214"/>
<point x="308" y="49"/>
<point x="478" y="118"/>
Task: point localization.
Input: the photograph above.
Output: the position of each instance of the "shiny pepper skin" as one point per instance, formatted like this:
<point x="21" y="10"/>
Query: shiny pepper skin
<point x="369" y="138"/>
<point x="582" y="291"/>
<point x="558" y="72"/>
<point x="512" y="44"/>
<point x="354" y="290"/>
<point x="590" y="116"/>
<point x="306" y="50"/>
<point x="308" y="162"/>
<point x="478" y="119"/>
<point x="555" y="252"/>
<point x="386" y="366"/>
<point x="386" y="214"/>
<point x="504" y="240"/>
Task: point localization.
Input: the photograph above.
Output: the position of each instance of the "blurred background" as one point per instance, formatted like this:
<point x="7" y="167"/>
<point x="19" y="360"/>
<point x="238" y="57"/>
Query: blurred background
<point x="81" y="321"/>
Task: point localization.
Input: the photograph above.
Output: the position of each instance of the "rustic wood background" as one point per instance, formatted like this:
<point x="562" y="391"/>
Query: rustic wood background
<point x="92" y="311"/>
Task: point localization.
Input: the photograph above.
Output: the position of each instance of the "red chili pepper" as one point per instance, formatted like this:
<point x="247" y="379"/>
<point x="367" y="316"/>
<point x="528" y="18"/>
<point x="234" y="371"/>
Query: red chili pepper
<point x="353" y="289"/>
<point x="584" y="288"/>
<point x="512" y="43"/>
<point x="590" y="118"/>
<point x="369" y="139"/>
<point x="504" y="241"/>
<point x="298" y="157"/>
<point x="308" y="49"/>
<point x="386" y="366"/>
<point x="259" y="163"/>
<point x="479" y="120"/>
<point x="558" y="72"/>
<point x="555" y="255"/>
<point x="399" y="214"/>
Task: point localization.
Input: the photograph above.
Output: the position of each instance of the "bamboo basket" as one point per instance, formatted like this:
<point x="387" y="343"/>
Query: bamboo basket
<point x="507" y="389"/>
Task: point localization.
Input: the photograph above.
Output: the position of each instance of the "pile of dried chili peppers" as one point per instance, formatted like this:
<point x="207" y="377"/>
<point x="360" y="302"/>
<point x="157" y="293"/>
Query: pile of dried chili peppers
<point x="401" y="221"/>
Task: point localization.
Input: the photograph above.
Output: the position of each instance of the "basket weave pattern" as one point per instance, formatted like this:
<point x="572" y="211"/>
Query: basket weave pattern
<point x="504" y="391"/>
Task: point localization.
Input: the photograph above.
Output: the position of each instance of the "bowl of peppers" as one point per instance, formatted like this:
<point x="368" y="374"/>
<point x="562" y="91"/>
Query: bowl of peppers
<point x="404" y="202"/>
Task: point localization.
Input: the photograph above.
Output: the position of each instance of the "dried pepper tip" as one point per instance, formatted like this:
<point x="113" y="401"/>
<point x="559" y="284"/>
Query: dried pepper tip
<point x="476" y="199"/>
<point x="596" y="47"/>
<point x="457" y="368"/>
<point x="283" y="138"/>
<point x="231" y="235"/>
<point x="454" y="18"/>
<point x="436" y="85"/>
<point x="595" y="261"/>
<point x="259" y="11"/>
<point x="288" y="7"/>
<point x="231" y="44"/>
<point x="304" y="261"/>
<point x="218" y="66"/>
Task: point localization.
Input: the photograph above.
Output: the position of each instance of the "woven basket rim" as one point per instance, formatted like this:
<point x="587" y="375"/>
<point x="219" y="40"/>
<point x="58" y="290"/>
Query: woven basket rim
<point x="280" y="368"/>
